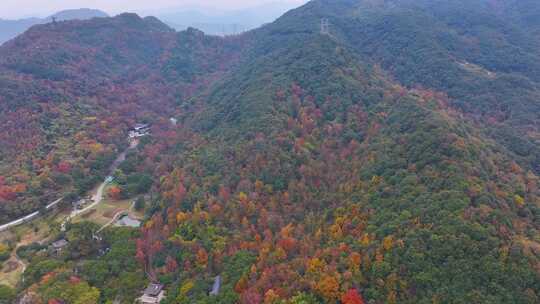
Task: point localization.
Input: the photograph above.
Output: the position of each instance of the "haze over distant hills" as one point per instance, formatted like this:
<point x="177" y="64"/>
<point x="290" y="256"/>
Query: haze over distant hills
<point x="210" y="21"/>
<point x="218" y="22"/>
<point x="11" y="28"/>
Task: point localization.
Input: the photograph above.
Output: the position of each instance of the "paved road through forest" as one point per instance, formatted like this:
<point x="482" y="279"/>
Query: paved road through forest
<point x="97" y="197"/>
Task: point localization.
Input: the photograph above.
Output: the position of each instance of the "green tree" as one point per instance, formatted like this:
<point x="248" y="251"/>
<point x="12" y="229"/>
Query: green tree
<point x="7" y="294"/>
<point x="139" y="204"/>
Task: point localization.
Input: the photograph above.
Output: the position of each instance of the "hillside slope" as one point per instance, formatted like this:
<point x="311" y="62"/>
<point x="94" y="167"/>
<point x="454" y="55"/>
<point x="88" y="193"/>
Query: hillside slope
<point x="331" y="161"/>
<point x="340" y="176"/>
<point x="482" y="54"/>
<point x="71" y="90"/>
<point x="388" y="162"/>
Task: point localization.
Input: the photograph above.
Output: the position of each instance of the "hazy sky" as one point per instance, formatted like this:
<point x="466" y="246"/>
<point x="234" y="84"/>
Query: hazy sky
<point x="24" y="8"/>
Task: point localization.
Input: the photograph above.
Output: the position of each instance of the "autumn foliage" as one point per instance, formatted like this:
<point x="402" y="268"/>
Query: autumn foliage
<point x="115" y="192"/>
<point x="352" y="297"/>
<point x="298" y="170"/>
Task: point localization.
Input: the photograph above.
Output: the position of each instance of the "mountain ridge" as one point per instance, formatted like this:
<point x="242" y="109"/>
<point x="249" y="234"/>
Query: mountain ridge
<point x="9" y="29"/>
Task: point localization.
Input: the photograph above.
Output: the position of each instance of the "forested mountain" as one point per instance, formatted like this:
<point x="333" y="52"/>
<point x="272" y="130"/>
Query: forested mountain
<point x="11" y="28"/>
<point x="71" y="90"/>
<point x="393" y="160"/>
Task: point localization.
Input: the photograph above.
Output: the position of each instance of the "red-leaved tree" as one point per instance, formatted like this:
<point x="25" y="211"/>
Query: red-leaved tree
<point x="352" y="297"/>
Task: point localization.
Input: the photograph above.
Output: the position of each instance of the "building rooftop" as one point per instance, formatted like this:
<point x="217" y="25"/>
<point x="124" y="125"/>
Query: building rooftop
<point x="60" y="243"/>
<point x="140" y="126"/>
<point x="153" y="290"/>
<point x="80" y="202"/>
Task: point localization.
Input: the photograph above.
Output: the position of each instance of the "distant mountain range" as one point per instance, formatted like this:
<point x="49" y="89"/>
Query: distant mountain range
<point x="225" y="22"/>
<point x="11" y="28"/>
<point x="213" y="22"/>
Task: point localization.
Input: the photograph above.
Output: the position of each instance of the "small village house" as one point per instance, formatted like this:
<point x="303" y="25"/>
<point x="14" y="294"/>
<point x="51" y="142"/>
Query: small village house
<point x="79" y="204"/>
<point x="153" y="294"/>
<point x="139" y="130"/>
<point x="58" y="246"/>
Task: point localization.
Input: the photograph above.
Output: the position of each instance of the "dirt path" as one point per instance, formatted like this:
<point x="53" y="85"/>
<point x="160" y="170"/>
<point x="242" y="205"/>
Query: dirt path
<point x="15" y="256"/>
<point x="114" y="219"/>
<point x="15" y="266"/>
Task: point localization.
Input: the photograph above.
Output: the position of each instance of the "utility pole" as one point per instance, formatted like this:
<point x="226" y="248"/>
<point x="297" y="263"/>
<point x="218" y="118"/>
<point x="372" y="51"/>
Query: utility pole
<point x="325" y="26"/>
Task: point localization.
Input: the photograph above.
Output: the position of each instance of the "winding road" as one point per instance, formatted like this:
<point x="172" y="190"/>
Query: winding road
<point x="97" y="197"/>
<point x="29" y="217"/>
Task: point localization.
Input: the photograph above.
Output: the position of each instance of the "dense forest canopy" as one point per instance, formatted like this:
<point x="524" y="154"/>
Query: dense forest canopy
<point x="393" y="160"/>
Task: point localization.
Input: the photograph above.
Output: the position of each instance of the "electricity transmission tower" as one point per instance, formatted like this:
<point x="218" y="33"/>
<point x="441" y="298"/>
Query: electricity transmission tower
<point x="325" y="26"/>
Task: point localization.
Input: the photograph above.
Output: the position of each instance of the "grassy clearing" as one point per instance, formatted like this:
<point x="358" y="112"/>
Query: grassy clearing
<point x="104" y="211"/>
<point x="36" y="231"/>
<point x="10" y="277"/>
